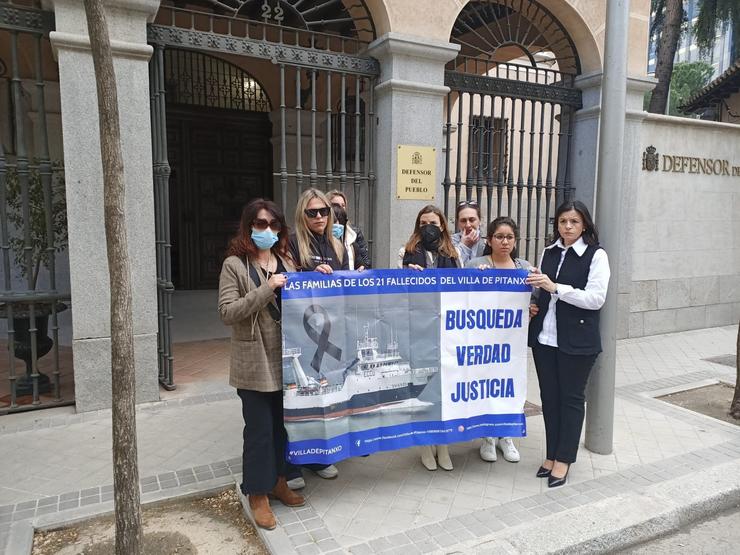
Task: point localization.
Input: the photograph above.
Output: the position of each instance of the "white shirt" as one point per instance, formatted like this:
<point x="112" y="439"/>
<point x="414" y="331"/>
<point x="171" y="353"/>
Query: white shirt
<point x="590" y="298"/>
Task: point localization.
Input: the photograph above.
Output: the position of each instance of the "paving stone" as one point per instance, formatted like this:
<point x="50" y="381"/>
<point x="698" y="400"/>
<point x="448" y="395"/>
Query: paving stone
<point x="71" y="504"/>
<point x="309" y="549"/>
<point x="427" y="546"/>
<point x="45" y="510"/>
<point x="148" y="488"/>
<point x="320" y="534"/>
<point x="7" y="517"/>
<point x="301" y="539"/>
<point x="294" y="529"/>
<point x="90" y="491"/>
<point x="26" y="505"/>
<point x="361" y="549"/>
<point x="5" y="509"/>
<point x="91" y="500"/>
<point x="46" y="501"/>
<point x="218" y="465"/>
<point x="328" y="545"/>
<point x="22" y="515"/>
<point x="417" y="534"/>
<point x="380" y="544"/>
<point x="208" y="475"/>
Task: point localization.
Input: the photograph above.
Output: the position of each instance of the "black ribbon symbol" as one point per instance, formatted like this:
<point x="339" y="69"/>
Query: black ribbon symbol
<point x="320" y="338"/>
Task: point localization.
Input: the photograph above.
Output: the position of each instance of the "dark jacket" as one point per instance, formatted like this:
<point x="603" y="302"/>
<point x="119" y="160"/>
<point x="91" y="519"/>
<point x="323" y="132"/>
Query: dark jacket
<point x="419" y="258"/>
<point x="577" y="328"/>
<point x="361" y="250"/>
<point x="322" y="252"/>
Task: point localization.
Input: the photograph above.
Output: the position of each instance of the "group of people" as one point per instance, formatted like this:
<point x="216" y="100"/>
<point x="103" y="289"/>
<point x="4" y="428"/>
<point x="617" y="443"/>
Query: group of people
<point x="570" y="287"/>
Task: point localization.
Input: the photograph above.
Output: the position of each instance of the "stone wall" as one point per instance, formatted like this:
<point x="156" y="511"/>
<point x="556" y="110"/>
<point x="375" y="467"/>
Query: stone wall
<point x="685" y="230"/>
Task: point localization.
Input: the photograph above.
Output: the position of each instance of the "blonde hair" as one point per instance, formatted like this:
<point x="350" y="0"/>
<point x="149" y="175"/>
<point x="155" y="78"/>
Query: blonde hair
<point x="303" y="233"/>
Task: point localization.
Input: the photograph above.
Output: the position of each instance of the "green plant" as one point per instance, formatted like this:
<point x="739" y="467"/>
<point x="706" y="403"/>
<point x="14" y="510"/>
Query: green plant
<point x="37" y="224"/>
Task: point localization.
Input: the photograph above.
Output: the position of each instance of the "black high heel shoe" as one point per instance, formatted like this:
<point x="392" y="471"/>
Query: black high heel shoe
<point x="555" y="482"/>
<point x="543" y="472"/>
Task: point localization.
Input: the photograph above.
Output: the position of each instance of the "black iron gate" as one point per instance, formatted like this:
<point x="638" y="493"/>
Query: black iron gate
<point x="33" y="225"/>
<point x="322" y="105"/>
<point x="508" y="124"/>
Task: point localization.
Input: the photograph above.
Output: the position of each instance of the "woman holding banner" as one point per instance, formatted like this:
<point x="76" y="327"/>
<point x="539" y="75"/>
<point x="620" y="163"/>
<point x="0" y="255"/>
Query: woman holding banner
<point x="573" y="278"/>
<point x="249" y="301"/>
<point x="314" y="247"/>
<point x="430" y="246"/>
<point x="501" y="238"/>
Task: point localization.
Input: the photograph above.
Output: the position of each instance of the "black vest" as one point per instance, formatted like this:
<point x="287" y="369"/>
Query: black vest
<point x="419" y="257"/>
<point x="578" y="328"/>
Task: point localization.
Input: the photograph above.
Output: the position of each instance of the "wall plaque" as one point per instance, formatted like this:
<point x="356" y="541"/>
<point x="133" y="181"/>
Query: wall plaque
<point x="415" y="174"/>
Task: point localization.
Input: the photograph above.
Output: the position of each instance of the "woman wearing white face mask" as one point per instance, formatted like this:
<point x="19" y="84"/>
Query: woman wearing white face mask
<point x="249" y="301"/>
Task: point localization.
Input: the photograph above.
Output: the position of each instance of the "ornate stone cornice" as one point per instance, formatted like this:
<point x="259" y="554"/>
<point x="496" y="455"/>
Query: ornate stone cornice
<point x="483" y="84"/>
<point x="28" y="20"/>
<point x="275" y="52"/>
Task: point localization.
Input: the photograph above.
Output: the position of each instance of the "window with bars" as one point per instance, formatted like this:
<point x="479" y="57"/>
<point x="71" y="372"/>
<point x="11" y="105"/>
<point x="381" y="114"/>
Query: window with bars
<point x="489" y="146"/>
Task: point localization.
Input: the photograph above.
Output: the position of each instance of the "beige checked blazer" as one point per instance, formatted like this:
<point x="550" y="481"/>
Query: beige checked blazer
<point x="256" y="339"/>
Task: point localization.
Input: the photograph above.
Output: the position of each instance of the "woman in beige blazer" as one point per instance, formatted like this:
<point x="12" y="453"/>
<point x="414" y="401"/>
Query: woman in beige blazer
<point x="249" y="301"/>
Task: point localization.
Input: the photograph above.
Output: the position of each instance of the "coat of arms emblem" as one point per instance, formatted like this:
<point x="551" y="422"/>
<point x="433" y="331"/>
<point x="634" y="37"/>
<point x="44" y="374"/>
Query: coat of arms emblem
<point x="416" y="158"/>
<point x="650" y="159"/>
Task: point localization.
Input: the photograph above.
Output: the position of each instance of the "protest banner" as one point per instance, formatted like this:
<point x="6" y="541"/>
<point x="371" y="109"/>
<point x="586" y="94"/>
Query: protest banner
<point x="386" y="359"/>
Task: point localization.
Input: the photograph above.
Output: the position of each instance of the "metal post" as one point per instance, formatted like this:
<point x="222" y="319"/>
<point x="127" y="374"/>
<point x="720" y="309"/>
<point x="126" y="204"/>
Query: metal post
<point x="600" y="397"/>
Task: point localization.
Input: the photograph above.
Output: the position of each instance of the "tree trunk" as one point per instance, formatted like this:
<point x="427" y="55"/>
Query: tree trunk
<point x="125" y="469"/>
<point x="735" y="405"/>
<point x="667" y="44"/>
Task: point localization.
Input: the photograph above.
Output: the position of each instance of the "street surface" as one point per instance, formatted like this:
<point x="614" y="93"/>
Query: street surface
<point x="717" y="535"/>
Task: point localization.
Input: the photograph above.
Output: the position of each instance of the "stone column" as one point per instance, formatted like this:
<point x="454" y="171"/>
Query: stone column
<point x="409" y="111"/>
<point x="608" y="215"/>
<point x="83" y="174"/>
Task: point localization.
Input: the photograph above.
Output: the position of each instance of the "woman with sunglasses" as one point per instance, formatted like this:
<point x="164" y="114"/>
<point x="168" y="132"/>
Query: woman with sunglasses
<point x="573" y="279"/>
<point x="313" y="244"/>
<point x="501" y="238"/>
<point x="353" y="239"/>
<point x="430" y="246"/>
<point x="249" y="301"/>
<point x="467" y="240"/>
<point x="314" y="247"/>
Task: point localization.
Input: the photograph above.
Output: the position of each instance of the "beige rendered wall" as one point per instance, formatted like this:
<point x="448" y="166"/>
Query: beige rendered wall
<point x="584" y="20"/>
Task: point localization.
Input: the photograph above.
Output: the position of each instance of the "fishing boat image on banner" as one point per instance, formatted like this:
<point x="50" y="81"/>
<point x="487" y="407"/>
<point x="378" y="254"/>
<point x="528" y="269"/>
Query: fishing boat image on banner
<point x="374" y="381"/>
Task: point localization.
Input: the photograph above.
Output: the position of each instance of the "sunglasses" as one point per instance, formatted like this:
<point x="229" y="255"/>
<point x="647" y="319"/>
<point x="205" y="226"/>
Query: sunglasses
<point x="472" y="203"/>
<point x="261" y="224"/>
<point x="317" y="212"/>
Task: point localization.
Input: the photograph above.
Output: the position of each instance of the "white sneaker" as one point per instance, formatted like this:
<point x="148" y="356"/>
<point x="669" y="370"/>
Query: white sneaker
<point x="297" y="483"/>
<point x="508" y="449"/>
<point x="328" y="473"/>
<point x="488" y="449"/>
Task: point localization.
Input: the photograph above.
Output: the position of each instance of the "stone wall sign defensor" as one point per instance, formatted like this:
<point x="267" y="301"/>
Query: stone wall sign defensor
<point x="415" y="172"/>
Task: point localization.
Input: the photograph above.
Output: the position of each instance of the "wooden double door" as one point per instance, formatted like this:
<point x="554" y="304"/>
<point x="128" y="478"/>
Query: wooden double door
<point x="220" y="160"/>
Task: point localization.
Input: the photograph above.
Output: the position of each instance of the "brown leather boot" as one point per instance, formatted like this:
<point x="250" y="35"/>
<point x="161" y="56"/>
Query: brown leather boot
<point x="261" y="512"/>
<point x="286" y="495"/>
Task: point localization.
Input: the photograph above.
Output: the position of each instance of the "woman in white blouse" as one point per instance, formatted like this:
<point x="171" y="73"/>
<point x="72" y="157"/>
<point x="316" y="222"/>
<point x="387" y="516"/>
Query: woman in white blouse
<point x="573" y="278"/>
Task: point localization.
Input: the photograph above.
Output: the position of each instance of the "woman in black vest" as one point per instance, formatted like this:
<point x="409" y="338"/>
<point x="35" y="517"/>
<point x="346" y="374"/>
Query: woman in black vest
<point x="430" y="246"/>
<point x="564" y="331"/>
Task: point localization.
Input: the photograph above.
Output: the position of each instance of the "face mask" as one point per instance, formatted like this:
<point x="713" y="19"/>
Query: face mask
<point x="337" y="230"/>
<point x="430" y="236"/>
<point x="264" y="239"/>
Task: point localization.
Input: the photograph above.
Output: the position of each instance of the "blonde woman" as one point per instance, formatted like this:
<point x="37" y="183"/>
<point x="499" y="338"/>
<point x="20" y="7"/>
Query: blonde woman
<point x="314" y="247"/>
<point x="430" y="246"/>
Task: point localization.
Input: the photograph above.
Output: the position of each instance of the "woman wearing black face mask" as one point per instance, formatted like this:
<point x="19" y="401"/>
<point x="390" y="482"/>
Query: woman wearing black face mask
<point x="430" y="246"/>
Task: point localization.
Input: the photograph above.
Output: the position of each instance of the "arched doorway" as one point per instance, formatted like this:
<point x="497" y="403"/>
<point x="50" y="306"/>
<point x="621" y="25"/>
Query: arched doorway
<point x="508" y="127"/>
<point x="250" y="98"/>
<point x="218" y="148"/>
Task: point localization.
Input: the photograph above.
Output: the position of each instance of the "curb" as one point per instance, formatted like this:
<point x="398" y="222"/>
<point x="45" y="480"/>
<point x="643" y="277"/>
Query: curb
<point x="623" y="521"/>
<point x="276" y="541"/>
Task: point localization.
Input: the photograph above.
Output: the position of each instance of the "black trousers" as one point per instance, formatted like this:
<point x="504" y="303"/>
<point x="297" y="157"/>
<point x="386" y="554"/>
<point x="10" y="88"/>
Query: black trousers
<point x="263" y="454"/>
<point x="562" y="379"/>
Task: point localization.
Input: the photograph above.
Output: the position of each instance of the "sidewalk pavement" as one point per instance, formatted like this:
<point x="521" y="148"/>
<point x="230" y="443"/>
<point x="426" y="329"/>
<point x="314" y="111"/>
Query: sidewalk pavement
<point x="668" y="466"/>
